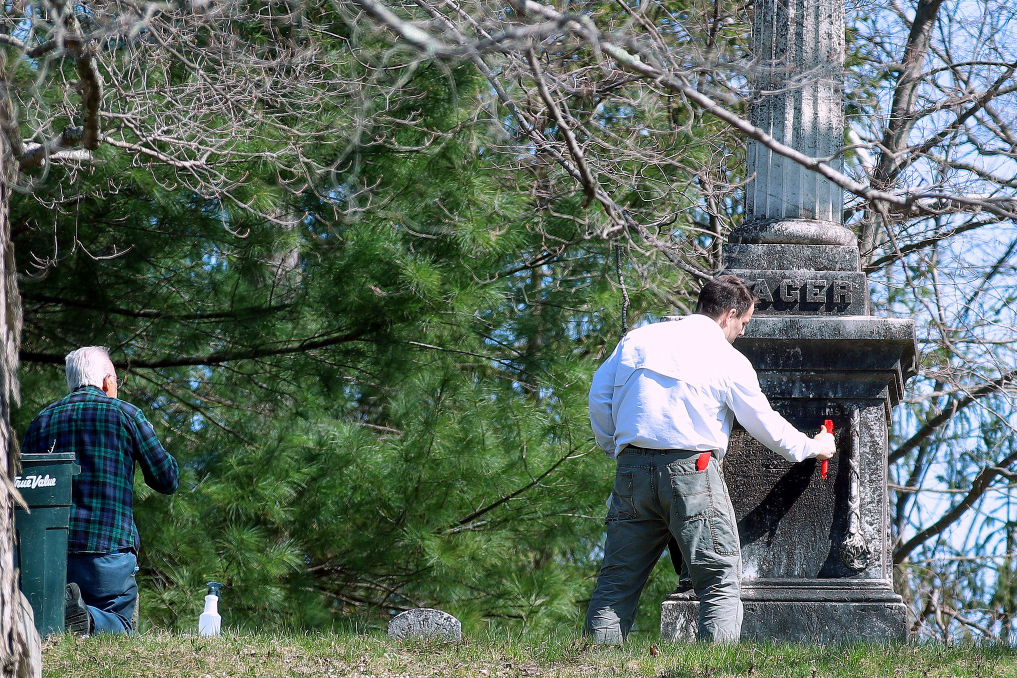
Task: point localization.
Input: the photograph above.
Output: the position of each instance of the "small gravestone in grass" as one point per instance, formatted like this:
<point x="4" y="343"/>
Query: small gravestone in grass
<point x="425" y="623"/>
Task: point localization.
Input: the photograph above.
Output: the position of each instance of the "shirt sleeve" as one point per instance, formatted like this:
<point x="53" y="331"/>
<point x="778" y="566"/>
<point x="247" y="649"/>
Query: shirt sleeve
<point x="33" y="438"/>
<point x="763" y="423"/>
<point x="601" y="399"/>
<point x="158" y="466"/>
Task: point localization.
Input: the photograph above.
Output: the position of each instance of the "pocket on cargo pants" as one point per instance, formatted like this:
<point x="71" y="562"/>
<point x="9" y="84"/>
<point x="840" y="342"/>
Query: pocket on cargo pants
<point x="725" y="532"/>
<point x="700" y="499"/>
<point x="622" y="506"/>
<point x="691" y="490"/>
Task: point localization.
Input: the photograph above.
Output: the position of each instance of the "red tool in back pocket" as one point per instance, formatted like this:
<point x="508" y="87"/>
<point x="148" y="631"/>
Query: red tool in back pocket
<point x="825" y="467"/>
<point x="703" y="461"/>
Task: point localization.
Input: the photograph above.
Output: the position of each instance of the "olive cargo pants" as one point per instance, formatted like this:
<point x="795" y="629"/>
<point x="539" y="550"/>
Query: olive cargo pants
<point x="659" y="493"/>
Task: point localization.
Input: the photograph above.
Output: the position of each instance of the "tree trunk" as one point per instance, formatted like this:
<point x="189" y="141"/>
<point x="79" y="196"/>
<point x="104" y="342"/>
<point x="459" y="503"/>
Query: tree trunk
<point x="13" y="644"/>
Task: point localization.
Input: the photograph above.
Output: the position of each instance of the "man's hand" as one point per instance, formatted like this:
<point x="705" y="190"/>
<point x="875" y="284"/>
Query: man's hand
<point x="827" y="444"/>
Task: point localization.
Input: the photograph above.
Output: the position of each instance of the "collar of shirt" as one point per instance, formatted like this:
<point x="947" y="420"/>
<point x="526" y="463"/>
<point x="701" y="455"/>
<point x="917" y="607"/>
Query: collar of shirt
<point x="705" y="324"/>
<point x="90" y="388"/>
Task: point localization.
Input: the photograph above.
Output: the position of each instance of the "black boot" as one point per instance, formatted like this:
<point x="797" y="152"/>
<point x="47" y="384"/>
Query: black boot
<point x="685" y="586"/>
<point x="76" y="617"/>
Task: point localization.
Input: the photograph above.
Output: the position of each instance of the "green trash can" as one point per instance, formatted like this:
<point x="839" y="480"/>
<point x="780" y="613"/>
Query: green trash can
<point x="40" y="542"/>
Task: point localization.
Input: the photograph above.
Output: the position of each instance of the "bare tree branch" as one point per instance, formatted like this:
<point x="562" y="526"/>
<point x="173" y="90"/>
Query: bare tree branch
<point x="978" y="487"/>
<point x="930" y="427"/>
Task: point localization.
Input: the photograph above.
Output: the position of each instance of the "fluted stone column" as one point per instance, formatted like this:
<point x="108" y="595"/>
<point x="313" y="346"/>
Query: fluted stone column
<point x="799" y="61"/>
<point x="816" y="551"/>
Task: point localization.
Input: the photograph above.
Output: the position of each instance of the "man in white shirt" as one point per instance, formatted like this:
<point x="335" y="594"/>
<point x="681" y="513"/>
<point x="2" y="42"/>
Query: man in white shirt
<point x="662" y="405"/>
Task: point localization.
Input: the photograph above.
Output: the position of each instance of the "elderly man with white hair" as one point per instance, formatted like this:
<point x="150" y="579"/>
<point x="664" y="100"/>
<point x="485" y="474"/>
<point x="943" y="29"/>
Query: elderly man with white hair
<point x="107" y="436"/>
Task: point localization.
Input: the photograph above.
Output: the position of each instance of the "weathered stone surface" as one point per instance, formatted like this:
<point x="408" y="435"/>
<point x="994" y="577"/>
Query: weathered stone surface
<point x="815" y="551"/>
<point x="800" y="357"/>
<point x="759" y="228"/>
<point x="425" y="623"/>
<point x="783" y="257"/>
<point x="795" y="524"/>
<point x="804" y="293"/>
<point x="798" y="50"/>
<point x="863" y="329"/>
<point x="679" y="619"/>
<point x="821" y="622"/>
<point x="831" y="357"/>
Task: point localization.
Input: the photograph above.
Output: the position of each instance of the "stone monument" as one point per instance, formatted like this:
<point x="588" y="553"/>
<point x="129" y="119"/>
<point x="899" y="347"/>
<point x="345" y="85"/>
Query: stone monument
<point x="816" y="552"/>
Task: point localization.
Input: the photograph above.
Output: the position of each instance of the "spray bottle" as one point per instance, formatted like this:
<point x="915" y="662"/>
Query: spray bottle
<point x="210" y="621"/>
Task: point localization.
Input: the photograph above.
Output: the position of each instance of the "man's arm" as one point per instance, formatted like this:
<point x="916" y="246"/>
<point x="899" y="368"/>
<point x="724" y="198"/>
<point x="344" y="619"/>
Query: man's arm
<point x="763" y="423"/>
<point x="158" y="466"/>
<point x="601" y="398"/>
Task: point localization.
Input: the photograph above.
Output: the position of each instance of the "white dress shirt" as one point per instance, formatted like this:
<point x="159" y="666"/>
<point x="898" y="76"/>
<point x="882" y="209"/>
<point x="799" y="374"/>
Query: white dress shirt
<point x="678" y="385"/>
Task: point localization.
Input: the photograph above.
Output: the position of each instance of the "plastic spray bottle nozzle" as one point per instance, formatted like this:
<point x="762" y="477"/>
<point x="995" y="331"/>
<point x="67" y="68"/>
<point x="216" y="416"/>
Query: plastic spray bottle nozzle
<point x="213" y="588"/>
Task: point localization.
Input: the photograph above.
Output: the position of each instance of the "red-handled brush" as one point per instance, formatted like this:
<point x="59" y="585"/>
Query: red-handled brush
<point x="825" y="467"/>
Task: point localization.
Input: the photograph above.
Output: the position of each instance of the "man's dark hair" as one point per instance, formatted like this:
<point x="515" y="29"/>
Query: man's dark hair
<point x="722" y="294"/>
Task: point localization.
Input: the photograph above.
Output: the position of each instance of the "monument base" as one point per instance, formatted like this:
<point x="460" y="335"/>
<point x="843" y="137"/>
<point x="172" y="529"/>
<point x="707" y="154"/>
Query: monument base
<point x="797" y="611"/>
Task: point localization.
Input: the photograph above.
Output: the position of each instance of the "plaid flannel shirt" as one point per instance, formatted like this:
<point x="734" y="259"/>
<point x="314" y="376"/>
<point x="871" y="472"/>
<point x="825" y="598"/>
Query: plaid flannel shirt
<point x="107" y="436"/>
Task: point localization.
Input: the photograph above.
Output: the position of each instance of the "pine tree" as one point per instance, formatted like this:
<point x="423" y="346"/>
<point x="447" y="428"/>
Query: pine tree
<point x="373" y="412"/>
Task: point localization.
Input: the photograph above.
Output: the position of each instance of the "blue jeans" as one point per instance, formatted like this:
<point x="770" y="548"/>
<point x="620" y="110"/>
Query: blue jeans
<point x="108" y="588"/>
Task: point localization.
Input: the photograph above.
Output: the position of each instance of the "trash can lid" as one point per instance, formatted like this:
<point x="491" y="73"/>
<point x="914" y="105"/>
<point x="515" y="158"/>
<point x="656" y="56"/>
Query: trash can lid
<point x="46" y="457"/>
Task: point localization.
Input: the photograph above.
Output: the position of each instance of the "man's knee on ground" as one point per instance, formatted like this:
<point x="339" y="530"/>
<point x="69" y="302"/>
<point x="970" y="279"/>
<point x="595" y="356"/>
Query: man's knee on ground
<point x="603" y="627"/>
<point x="604" y="634"/>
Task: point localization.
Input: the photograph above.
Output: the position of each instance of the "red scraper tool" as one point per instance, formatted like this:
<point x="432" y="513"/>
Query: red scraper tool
<point x="825" y="467"/>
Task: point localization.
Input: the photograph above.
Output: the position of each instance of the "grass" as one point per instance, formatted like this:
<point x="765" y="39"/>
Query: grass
<point x="162" y="655"/>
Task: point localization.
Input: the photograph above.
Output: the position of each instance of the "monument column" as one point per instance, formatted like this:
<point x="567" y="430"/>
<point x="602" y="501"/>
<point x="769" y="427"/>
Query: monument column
<point x="816" y="553"/>
<point x="798" y="100"/>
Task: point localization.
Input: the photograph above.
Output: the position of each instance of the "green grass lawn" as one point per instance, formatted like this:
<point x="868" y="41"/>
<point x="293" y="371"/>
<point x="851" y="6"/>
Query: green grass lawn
<point x="159" y="655"/>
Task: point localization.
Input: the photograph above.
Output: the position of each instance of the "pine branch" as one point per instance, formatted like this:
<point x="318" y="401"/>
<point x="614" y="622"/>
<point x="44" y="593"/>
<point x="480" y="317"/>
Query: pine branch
<point x="464" y="523"/>
<point x="153" y="314"/>
<point x="218" y="358"/>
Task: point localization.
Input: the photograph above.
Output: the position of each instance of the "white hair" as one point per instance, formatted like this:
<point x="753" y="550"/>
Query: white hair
<point x="88" y="366"/>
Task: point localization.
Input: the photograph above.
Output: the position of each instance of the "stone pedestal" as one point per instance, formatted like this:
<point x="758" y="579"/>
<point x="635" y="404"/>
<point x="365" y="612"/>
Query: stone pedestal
<point x="816" y="554"/>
